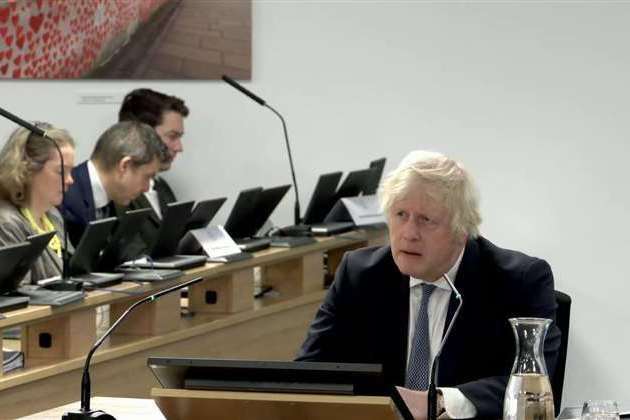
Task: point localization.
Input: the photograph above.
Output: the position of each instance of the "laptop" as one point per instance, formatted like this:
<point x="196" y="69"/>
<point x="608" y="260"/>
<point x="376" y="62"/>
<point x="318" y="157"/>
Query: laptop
<point x="87" y="253"/>
<point x="11" y="266"/>
<point x="239" y="224"/>
<point x="22" y="263"/>
<point x="126" y="231"/>
<point x="266" y="202"/>
<point x="355" y="183"/>
<point x="322" y="201"/>
<point x="172" y="228"/>
<point x="377" y="166"/>
<point x="204" y="212"/>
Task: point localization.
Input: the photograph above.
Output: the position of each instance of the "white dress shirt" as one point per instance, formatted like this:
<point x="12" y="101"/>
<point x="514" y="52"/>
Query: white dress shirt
<point x="152" y="197"/>
<point x="98" y="191"/>
<point x="455" y="403"/>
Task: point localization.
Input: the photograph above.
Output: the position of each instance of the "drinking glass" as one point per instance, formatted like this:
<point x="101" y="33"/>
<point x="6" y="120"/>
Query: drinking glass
<point x="600" y="410"/>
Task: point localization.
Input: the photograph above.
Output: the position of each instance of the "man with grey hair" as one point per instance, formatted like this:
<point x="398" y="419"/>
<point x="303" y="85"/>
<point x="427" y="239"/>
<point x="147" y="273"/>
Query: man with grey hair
<point x="391" y="305"/>
<point x="125" y="159"/>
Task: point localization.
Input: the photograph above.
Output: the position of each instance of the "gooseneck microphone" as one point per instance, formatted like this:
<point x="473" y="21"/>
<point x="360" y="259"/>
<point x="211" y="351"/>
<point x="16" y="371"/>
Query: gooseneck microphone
<point x="432" y="391"/>
<point x="86" y="412"/>
<point x="260" y="101"/>
<point x="65" y="265"/>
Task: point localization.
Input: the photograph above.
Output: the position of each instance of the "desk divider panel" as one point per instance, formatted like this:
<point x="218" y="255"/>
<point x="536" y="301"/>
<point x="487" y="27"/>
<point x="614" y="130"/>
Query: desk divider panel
<point x="155" y="318"/>
<point x="223" y="294"/>
<point x="65" y="337"/>
<point x="297" y="276"/>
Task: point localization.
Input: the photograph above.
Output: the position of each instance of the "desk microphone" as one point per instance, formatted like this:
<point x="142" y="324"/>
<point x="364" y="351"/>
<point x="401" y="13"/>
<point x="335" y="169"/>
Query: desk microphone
<point x="65" y="266"/>
<point x="432" y="391"/>
<point x="260" y="101"/>
<point x="85" y="412"/>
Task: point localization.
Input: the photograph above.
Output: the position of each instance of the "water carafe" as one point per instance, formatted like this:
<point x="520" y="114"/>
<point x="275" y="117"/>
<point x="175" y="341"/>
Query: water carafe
<point x="528" y="394"/>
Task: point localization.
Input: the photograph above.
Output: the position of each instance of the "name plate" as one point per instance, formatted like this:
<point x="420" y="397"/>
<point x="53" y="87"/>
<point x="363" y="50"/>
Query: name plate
<point x="215" y="241"/>
<point x="364" y="210"/>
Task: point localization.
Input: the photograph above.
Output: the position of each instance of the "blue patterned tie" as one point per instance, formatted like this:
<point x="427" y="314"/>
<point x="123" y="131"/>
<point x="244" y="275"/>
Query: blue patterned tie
<point x="420" y="357"/>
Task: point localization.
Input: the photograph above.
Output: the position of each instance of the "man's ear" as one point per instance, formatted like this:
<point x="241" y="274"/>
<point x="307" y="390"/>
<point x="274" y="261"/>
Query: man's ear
<point x="124" y="164"/>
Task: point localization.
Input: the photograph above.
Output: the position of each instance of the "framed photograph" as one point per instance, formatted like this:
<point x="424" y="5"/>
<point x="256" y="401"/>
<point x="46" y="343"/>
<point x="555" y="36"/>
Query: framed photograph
<point x="125" y="39"/>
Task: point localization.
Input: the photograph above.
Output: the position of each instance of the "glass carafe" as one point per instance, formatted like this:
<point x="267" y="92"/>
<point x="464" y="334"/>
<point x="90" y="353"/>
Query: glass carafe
<point x="528" y="394"/>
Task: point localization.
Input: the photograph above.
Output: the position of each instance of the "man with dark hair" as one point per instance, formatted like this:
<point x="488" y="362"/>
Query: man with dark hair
<point x="124" y="161"/>
<point x="165" y="113"/>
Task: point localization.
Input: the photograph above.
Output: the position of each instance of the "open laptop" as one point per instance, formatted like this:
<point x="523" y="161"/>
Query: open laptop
<point x="204" y="212"/>
<point x="172" y="228"/>
<point x="127" y="230"/>
<point x="87" y="253"/>
<point x="19" y="265"/>
<point x="11" y="257"/>
<point x="239" y="224"/>
<point x="377" y="166"/>
<point x="265" y="203"/>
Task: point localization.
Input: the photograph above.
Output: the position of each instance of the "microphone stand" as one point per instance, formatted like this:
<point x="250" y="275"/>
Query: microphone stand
<point x="260" y="101"/>
<point x="65" y="265"/>
<point x="432" y="391"/>
<point x="85" y="411"/>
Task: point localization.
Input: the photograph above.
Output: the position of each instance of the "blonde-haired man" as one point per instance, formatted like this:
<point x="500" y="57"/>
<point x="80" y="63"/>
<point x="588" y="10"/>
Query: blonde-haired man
<point x="391" y="304"/>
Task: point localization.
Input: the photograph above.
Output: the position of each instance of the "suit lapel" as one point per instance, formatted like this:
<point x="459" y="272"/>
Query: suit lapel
<point x="466" y="275"/>
<point x="400" y="308"/>
<point x="83" y="179"/>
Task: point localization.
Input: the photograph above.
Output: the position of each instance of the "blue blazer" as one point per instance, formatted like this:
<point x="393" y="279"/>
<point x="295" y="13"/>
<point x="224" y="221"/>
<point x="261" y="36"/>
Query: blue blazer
<point x="365" y="316"/>
<point x="77" y="208"/>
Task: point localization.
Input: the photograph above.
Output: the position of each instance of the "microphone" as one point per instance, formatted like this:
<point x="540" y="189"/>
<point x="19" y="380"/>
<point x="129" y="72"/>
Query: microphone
<point x="260" y="101"/>
<point x="85" y="412"/>
<point x="65" y="266"/>
<point x="432" y="391"/>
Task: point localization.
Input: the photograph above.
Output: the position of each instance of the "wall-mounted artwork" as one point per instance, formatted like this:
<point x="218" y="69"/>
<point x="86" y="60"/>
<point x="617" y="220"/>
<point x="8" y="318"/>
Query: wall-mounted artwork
<point x="125" y="39"/>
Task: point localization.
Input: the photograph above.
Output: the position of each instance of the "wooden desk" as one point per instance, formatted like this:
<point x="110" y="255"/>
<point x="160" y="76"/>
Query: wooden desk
<point x="121" y="408"/>
<point x="269" y="328"/>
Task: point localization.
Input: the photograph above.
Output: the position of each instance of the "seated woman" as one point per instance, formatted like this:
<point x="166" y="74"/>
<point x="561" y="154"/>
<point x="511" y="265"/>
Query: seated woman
<point x="30" y="188"/>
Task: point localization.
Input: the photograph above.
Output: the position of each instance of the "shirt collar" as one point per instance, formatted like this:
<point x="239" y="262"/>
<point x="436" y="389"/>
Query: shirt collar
<point x="441" y="283"/>
<point x="98" y="191"/>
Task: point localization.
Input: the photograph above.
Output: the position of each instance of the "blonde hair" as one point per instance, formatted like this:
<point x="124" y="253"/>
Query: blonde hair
<point x="25" y="154"/>
<point x="444" y="179"/>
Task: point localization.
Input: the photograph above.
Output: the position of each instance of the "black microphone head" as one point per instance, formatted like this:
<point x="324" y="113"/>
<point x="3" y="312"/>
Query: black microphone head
<point x="237" y="86"/>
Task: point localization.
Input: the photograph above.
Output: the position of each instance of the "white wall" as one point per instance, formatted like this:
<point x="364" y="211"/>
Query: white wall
<point x="533" y="98"/>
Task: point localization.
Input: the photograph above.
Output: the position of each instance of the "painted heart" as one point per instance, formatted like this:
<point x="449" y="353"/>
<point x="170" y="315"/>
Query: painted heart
<point x="4" y="69"/>
<point x="35" y="22"/>
<point x="46" y="36"/>
<point x="8" y="40"/>
<point x="17" y="60"/>
<point x="17" y="73"/>
<point x="20" y="41"/>
<point x="15" y="19"/>
<point x="4" y="14"/>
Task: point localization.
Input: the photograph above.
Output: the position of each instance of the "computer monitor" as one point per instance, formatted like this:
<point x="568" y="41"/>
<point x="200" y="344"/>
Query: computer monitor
<point x="323" y="198"/>
<point x="90" y="245"/>
<point x="237" y="224"/>
<point x="16" y="260"/>
<point x="126" y="231"/>
<point x="377" y="167"/>
<point x="204" y="212"/>
<point x="171" y="229"/>
<point x="269" y="376"/>
<point x="356" y="183"/>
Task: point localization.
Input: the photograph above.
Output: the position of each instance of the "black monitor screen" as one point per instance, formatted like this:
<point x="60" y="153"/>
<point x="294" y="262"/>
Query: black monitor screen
<point x="116" y="250"/>
<point x="377" y="167"/>
<point x="92" y="242"/>
<point x="270" y="376"/>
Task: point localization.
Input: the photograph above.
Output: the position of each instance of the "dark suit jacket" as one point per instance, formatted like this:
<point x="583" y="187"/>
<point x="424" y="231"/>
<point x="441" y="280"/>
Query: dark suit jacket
<point x="364" y="318"/>
<point x="77" y="208"/>
<point x="150" y="227"/>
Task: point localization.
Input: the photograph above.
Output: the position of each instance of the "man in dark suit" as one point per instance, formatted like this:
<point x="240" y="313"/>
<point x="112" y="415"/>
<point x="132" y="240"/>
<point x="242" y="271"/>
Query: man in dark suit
<point x="391" y="305"/>
<point x="165" y="113"/>
<point x="124" y="161"/>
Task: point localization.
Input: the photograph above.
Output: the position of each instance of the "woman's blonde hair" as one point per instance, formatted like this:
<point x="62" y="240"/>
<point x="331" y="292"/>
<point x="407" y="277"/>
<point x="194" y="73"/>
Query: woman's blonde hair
<point x="444" y="179"/>
<point x="25" y="154"/>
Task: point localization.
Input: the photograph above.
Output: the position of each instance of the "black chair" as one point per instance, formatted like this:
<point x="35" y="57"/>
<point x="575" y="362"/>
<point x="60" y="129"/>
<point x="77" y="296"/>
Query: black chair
<point x="563" y="314"/>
